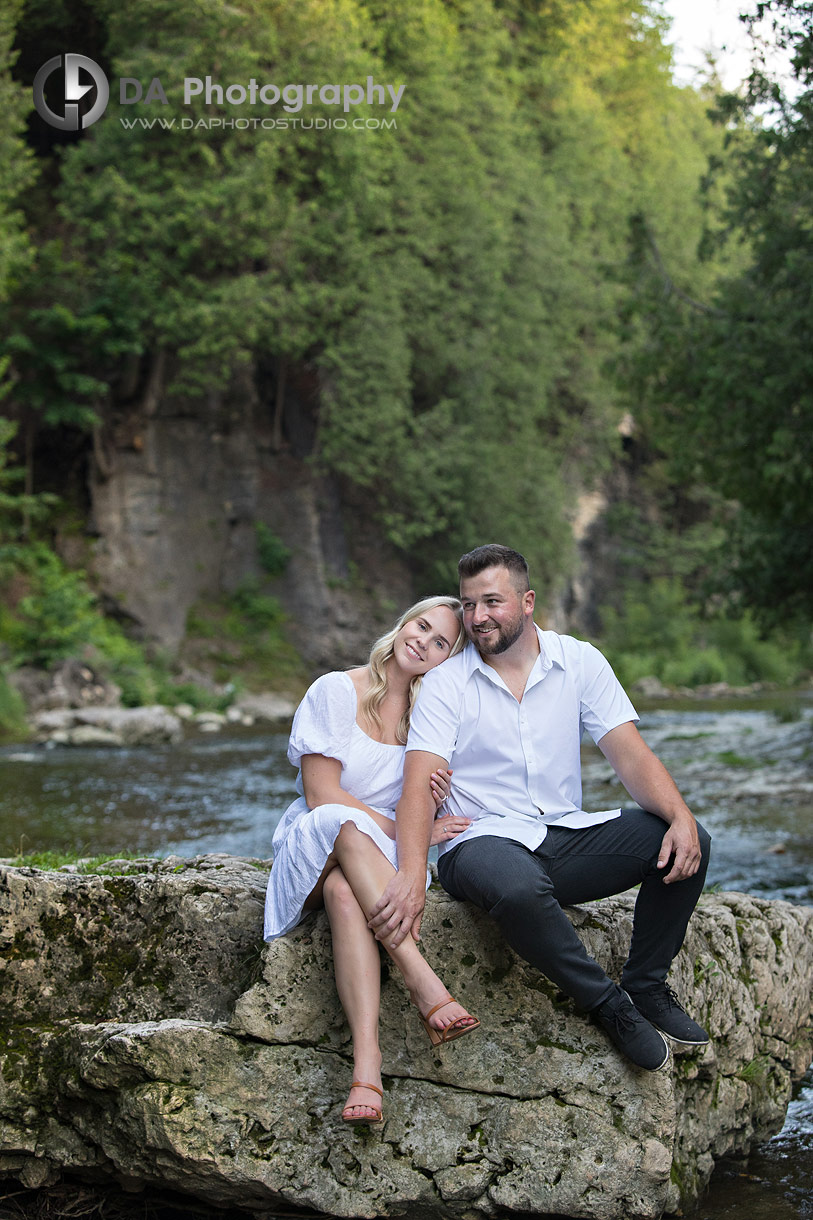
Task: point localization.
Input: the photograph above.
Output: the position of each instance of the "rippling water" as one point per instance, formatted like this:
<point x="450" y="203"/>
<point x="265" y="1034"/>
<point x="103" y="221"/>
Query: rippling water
<point x="777" y="1182"/>
<point x="211" y="793"/>
<point x="746" y="772"/>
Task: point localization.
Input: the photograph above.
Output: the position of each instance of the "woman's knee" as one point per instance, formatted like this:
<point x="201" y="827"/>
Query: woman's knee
<point x="348" y="833"/>
<point x="336" y="885"/>
<point x="337" y="894"/>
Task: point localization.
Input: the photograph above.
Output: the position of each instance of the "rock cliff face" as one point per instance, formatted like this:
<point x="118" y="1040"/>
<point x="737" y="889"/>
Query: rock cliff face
<point x="177" y="489"/>
<point x="149" y="1038"/>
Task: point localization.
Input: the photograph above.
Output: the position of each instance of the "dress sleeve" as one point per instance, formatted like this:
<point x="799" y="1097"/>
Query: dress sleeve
<point x="324" y="720"/>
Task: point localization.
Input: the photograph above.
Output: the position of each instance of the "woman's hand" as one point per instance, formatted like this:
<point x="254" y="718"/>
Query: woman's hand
<point x="445" y="826"/>
<point x="448" y="826"/>
<point x="440" y="782"/>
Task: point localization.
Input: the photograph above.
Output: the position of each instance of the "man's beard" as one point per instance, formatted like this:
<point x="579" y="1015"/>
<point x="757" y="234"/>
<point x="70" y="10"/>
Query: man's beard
<point x="506" y="635"/>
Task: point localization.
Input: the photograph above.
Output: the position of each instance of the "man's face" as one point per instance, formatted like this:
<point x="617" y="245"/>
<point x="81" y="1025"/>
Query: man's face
<point x="495" y="612"/>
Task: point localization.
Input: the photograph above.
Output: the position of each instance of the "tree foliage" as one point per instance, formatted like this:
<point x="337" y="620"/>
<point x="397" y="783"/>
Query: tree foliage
<point x="730" y="380"/>
<point x="16" y="169"/>
<point x="455" y="288"/>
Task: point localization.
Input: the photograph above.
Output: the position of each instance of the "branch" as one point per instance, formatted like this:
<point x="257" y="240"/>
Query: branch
<point x="670" y="285"/>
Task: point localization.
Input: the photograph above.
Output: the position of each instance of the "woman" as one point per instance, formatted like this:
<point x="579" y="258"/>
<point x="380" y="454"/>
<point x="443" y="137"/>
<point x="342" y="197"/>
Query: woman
<point x="335" y="845"/>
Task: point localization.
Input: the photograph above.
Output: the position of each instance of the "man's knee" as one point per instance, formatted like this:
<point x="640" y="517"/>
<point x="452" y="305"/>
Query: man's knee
<point x="705" y="843"/>
<point x="530" y="904"/>
<point x="498" y="875"/>
<point x="652" y="828"/>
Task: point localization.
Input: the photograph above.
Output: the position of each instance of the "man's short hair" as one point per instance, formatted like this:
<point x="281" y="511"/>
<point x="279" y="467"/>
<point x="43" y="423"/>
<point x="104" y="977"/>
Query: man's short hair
<point x="493" y="555"/>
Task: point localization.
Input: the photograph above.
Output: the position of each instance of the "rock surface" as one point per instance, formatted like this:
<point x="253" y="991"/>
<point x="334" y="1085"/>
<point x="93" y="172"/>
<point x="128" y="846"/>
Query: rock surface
<point x="77" y="725"/>
<point x="267" y="708"/>
<point x="70" y="683"/>
<point x="108" y="726"/>
<point x="178" y="487"/>
<point x="149" y="1038"/>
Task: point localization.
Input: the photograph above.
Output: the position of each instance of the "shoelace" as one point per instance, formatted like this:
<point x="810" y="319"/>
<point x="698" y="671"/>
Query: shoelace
<point x="624" y="1017"/>
<point x="666" y="999"/>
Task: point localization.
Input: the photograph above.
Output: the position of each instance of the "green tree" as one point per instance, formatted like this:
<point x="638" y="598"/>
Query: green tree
<point x="16" y="162"/>
<point x="729" y="379"/>
<point x="450" y="290"/>
<point x="17" y="509"/>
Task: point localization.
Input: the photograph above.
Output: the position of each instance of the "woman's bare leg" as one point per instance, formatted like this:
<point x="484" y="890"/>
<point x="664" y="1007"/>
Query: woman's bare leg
<point x="358" y="981"/>
<point x="315" y="899"/>
<point x="367" y="870"/>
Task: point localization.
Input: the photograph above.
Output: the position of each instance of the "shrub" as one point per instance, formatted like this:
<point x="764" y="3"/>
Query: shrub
<point x="56" y="617"/>
<point x="271" y="550"/>
<point x="123" y="661"/>
<point x="659" y="633"/>
<point x="13" y="726"/>
<point x="253" y="609"/>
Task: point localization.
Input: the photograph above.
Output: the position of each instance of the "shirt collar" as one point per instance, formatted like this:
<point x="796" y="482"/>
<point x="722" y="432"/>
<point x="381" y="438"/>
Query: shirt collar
<point x="550" y="653"/>
<point x="550" y="647"/>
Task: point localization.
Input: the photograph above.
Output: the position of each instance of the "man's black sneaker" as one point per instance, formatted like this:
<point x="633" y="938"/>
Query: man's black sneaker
<point x="660" y="1006"/>
<point x="634" y="1036"/>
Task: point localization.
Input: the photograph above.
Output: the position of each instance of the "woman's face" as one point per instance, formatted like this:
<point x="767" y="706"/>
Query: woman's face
<point x="425" y="641"/>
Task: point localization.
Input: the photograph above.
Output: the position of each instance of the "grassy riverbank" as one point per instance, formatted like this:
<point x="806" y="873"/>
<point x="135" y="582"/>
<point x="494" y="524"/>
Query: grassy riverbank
<point x="233" y="644"/>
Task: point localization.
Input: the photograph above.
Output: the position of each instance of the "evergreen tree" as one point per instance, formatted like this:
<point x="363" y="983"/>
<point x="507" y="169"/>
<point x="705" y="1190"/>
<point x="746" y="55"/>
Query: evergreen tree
<point x="731" y="395"/>
<point x="453" y="288"/>
<point x="16" y="169"/>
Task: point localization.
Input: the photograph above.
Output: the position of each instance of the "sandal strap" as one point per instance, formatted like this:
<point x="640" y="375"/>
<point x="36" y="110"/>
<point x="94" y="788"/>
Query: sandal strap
<point x="442" y="1004"/>
<point x="361" y="1084"/>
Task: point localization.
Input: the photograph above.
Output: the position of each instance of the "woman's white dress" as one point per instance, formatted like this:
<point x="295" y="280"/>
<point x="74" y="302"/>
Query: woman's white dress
<point x="325" y="723"/>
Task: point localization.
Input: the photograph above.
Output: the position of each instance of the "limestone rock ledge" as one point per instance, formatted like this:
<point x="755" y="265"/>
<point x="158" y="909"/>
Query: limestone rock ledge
<point x="147" y="1037"/>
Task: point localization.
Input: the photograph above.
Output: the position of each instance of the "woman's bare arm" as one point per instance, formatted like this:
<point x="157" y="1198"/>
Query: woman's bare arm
<point x="321" y="781"/>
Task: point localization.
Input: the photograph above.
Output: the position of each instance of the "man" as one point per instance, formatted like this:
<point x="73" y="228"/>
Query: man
<point x="506" y="715"/>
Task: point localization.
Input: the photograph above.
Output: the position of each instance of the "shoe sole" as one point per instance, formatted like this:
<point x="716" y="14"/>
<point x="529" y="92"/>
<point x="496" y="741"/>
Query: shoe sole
<point x="440" y="1037"/>
<point x="661" y="1066"/>
<point x="675" y="1041"/>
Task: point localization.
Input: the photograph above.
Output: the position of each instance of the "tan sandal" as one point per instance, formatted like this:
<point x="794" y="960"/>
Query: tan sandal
<point x="358" y="1120"/>
<point x="456" y="1030"/>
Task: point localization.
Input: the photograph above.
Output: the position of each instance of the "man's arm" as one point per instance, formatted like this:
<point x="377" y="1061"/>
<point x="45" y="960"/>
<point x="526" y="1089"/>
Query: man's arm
<point x="399" y="910"/>
<point x="649" y="784"/>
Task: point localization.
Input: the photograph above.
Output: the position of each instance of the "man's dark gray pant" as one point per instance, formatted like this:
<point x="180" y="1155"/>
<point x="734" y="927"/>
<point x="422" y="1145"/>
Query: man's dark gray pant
<point x="525" y="891"/>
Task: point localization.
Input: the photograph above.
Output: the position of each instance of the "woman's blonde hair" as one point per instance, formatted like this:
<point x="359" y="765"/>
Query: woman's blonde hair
<point x="381" y="652"/>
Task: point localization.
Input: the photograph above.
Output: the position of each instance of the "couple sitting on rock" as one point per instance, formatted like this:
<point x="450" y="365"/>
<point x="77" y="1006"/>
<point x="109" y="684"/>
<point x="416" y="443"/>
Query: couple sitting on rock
<point x="473" y="687"/>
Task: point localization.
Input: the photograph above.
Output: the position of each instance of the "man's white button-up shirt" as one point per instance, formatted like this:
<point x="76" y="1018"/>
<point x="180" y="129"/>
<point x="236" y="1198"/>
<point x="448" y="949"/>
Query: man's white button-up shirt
<point x="517" y="765"/>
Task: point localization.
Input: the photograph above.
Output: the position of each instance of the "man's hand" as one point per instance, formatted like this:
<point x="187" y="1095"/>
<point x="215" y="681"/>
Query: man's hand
<point x="649" y="783"/>
<point x="682" y="842"/>
<point x="399" y="910"/>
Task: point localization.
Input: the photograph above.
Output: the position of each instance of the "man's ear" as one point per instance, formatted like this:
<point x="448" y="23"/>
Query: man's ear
<point x="529" y="601"/>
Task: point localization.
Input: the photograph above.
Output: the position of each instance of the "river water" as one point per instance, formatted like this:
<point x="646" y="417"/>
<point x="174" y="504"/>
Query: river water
<point x="745" y="770"/>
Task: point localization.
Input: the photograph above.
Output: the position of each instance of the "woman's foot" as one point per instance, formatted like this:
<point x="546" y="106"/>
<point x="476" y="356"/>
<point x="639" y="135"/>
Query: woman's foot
<point x="443" y="1018"/>
<point x="363" y="1104"/>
